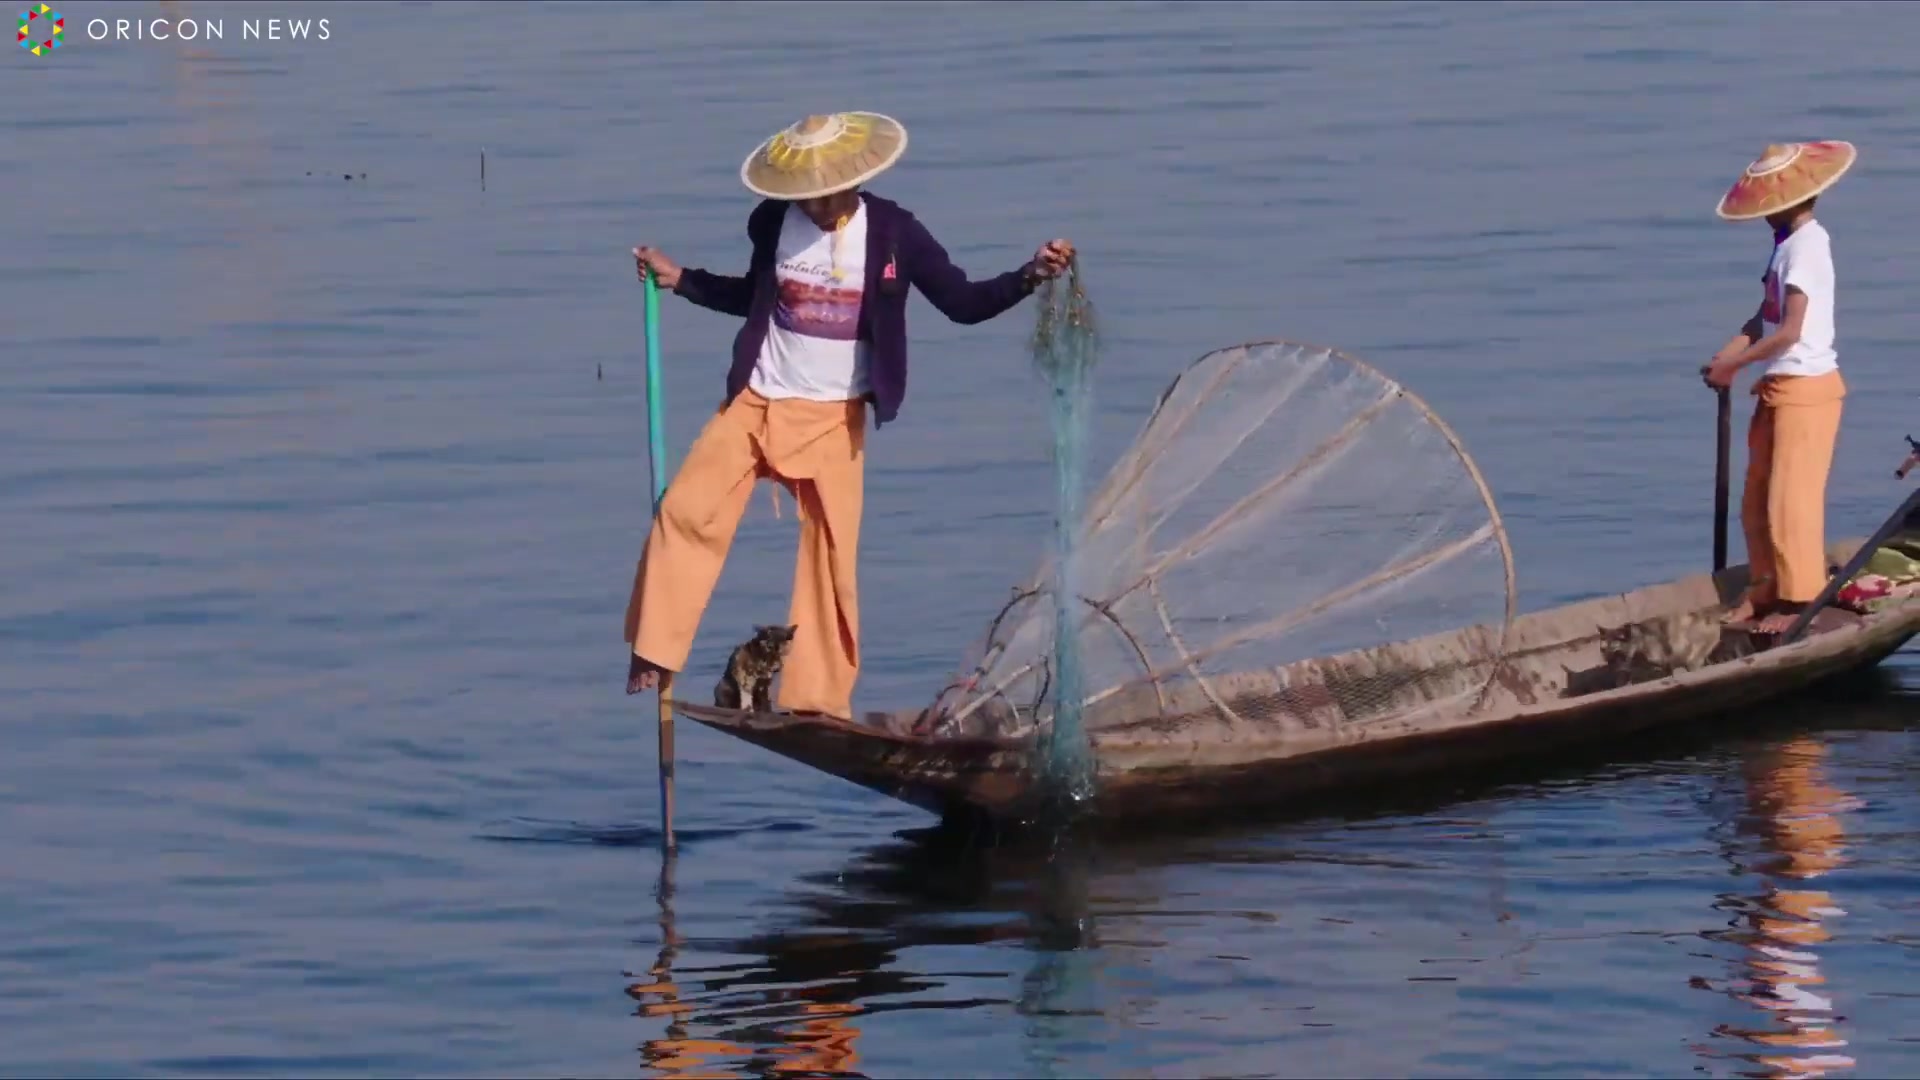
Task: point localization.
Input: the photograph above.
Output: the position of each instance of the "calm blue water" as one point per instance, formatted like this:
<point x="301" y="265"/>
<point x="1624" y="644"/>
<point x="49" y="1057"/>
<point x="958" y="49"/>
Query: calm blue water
<point x="318" y="525"/>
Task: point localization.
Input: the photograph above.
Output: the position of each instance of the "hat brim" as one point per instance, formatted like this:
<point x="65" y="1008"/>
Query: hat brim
<point x="1815" y="167"/>
<point x="884" y="142"/>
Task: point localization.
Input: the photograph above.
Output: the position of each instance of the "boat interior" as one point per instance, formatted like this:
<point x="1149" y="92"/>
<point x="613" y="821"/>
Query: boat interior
<point x="1598" y="646"/>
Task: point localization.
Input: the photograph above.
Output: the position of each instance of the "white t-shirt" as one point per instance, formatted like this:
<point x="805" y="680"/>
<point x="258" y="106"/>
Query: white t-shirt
<point x="1803" y="260"/>
<point x="812" y="349"/>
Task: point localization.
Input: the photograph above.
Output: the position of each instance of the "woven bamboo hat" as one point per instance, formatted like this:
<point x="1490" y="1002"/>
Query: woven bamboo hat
<point x="1785" y="175"/>
<point x="822" y="155"/>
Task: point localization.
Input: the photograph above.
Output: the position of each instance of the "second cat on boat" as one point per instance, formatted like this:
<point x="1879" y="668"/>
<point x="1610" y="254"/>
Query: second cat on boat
<point x="751" y="668"/>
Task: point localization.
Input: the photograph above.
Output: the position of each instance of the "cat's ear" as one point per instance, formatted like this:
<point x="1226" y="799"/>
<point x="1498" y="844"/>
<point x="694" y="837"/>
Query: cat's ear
<point x="792" y="630"/>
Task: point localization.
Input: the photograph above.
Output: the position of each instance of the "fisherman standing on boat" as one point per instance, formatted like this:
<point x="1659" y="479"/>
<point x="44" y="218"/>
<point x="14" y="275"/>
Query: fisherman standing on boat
<point x="825" y="302"/>
<point x="1796" y="421"/>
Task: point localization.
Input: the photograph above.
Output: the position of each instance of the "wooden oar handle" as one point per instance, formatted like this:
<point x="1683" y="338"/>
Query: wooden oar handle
<point x="1722" y="450"/>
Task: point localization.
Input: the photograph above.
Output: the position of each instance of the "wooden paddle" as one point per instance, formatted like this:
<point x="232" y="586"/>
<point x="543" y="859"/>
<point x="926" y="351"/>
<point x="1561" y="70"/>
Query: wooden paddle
<point x="1721" y="478"/>
<point x="657" y="467"/>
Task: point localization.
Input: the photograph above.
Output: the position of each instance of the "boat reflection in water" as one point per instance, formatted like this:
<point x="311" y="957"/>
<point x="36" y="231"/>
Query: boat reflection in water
<point x="1141" y="957"/>
<point x="1792" y="814"/>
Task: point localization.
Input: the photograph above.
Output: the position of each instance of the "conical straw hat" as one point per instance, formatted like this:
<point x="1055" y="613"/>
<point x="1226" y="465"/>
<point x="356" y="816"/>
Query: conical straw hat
<point x="1786" y="175"/>
<point x="824" y="154"/>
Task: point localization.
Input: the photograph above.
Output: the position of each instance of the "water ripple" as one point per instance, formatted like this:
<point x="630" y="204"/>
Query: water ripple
<point x="322" y="498"/>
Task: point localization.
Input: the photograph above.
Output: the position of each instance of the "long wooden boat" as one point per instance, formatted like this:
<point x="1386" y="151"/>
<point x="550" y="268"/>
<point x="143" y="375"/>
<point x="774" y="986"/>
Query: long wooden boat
<point x="1183" y="757"/>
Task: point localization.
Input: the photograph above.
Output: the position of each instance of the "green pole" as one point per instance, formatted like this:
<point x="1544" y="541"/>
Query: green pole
<point x="657" y="466"/>
<point x="656" y="429"/>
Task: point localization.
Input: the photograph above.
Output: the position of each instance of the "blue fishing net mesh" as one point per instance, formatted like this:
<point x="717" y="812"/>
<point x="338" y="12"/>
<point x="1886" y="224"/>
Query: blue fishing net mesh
<point x="1065" y="346"/>
<point x="1287" y="521"/>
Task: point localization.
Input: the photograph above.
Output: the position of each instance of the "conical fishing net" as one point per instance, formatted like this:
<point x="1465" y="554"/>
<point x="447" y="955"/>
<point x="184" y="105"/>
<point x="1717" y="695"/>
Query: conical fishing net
<point x="1288" y="519"/>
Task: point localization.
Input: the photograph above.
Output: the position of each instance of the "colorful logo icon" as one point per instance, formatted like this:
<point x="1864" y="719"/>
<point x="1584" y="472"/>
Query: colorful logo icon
<point x="42" y="31"/>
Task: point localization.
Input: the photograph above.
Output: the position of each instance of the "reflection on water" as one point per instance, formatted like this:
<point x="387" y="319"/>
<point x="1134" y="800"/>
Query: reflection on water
<point x="676" y="1054"/>
<point x="1241" y="950"/>
<point x="314" y="506"/>
<point x="1061" y="982"/>
<point x="792" y="1006"/>
<point x="1792" y="813"/>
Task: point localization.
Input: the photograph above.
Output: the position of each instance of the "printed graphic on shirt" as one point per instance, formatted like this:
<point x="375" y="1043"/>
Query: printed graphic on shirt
<point x="1774" y="302"/>
<point x="810" y="306"/>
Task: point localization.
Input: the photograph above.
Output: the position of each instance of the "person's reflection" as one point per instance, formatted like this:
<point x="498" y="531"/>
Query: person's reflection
<point x="791" y="1000"/>
<point x="793" y="1005"/>
<point x="822" y="1043"/>
<point x="1795" y="813"/>
<point x="793" y="1010"/>
<point x="676" y="1054"/>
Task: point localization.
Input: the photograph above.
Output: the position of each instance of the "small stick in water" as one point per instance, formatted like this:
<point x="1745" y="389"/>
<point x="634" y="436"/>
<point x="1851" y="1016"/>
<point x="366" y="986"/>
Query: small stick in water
<point x="483" y="168"/>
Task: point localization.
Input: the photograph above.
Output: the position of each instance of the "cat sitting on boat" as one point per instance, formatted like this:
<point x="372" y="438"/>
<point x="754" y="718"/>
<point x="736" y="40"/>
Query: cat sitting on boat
<point x="751" y="668"/>
<point x="1671" y="645"/>
<point x="1661" y="647"/>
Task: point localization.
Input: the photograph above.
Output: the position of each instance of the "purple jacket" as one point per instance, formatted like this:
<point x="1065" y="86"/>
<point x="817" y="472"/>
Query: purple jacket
<point x="900" y="252"/>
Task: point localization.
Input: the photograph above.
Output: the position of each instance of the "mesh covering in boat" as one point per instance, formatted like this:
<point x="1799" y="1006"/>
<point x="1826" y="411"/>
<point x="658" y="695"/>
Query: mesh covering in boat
<point x="1283" y="503"/>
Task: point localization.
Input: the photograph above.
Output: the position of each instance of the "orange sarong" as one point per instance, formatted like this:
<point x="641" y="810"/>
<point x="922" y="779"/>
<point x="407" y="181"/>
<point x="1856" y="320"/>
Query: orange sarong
<point x="817" y="450"/>
<point x="1784" y="510"/>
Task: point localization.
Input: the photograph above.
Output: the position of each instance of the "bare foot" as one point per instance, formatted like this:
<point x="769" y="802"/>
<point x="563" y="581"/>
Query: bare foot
<point x="642" y="675"/>
<point x="1753" y="604"/>
<point x="1777" y="623"/>
<point x="1745" y="611"/>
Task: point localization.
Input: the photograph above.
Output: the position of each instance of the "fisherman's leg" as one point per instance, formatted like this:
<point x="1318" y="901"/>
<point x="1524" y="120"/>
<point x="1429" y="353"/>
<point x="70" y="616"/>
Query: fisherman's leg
<point x="688" y="544"/>
<point x="1754" y="517"/>
<point x="824" y="662"/>
<point x="1804" y="438"/>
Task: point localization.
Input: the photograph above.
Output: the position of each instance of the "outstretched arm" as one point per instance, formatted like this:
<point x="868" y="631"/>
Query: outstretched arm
<point x="946" y="286"/>
<point x="717" y="292"/>
<point x="723" y="293"/>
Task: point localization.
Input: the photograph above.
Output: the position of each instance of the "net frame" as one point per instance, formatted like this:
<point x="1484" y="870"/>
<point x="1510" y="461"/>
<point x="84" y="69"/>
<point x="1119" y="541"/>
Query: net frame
<point x="1132" y="469"/>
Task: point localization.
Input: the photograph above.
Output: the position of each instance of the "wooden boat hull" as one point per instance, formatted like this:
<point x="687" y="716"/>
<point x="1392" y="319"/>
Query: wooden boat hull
<point x="1198" y="764"/>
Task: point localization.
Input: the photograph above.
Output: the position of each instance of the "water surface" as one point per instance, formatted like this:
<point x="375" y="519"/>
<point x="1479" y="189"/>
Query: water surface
<point x="321" y="497"/>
